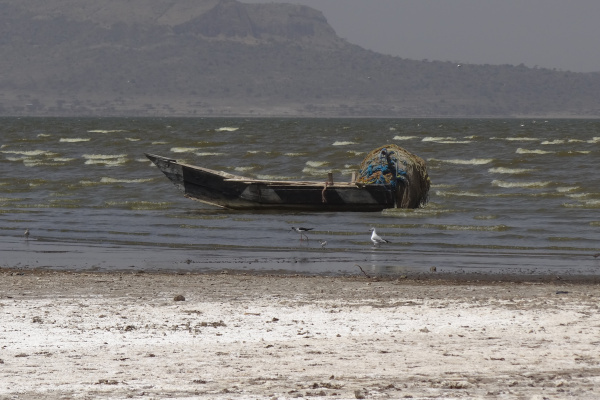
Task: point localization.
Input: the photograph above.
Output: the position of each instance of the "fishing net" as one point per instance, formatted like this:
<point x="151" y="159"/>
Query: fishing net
<point x="405" y="172"/>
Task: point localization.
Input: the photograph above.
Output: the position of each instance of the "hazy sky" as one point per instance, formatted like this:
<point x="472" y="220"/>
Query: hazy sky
<point x="557" y="34"/>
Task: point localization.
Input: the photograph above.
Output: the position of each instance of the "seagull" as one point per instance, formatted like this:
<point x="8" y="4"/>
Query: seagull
<point x="323" y="242"/>
<point x="301" y="231"/>
<point x="26" y="234"/>
<point x="376" y="239"/>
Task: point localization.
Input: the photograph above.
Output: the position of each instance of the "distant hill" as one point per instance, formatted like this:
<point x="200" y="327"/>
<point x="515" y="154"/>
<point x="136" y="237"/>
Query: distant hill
<point x="224" y="57"/>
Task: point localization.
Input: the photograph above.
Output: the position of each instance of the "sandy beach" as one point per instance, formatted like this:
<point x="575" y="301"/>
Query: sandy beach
<point x="235" y="336"/>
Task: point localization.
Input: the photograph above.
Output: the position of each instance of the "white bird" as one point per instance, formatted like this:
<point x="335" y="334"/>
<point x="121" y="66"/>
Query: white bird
<point x="323" y="242"/>
<point x="376" y="239"/>
<point x="26" y="234"/>
<point x="301" y="231"/>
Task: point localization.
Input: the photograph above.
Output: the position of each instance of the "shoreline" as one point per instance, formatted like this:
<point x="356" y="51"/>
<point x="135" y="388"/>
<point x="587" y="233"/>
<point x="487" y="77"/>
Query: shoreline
<point x="253" y="336"/>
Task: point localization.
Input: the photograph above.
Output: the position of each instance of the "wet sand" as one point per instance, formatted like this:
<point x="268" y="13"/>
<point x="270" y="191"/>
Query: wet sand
<point x="232" y="335"/>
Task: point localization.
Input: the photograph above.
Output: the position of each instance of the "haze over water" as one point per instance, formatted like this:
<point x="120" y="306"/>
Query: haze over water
<point x="507" y="195"/>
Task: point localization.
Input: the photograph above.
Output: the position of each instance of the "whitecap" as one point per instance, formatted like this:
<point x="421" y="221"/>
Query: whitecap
<point x="243" y="169"/>
<point x="405" y="137"/>
<point x="73" y="140"/>
<point x="435" y="138"/>
<point x="316" y="164"/>
<point x="445" y="140"/>
<point x="295" y="154"/>
<point x="204" y="154"/>
<point x="115" y="180"/>
<point x="343" y="143"/>
<point x="315" y="171"/>
<point x="132" y="139"/>
<point x="63" y="159"/>
<point x="107" y="131"/>
<point x="556" y="141"/>
<point x="226" y="129"/>
<point x="30" y="153"/>
<point x="526" y="151"/>
<point x="258" y="152"/>
<point x="567" y="189"/>
<point x="103" y="156"/>
<point x="578" y="195"/>
<point x="517" y="139"/>
<point x="595" y="139"/>
<point x="356" y="153"/>
<point x="110" y="160"/>
<point x="450" y="193"/>
<point x="503" y="170"/>
<point x="473" y="161"/>
<point x="504" y="184"/>
<point x="584" y="204"/>
<point x="183" y="149"/>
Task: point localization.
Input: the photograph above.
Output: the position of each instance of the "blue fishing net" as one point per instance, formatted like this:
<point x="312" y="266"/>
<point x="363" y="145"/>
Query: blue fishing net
<point x="404" y="172"/>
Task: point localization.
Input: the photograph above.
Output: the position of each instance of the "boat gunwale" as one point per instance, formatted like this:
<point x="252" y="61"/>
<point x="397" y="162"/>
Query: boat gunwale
<point x="228" y="177"/>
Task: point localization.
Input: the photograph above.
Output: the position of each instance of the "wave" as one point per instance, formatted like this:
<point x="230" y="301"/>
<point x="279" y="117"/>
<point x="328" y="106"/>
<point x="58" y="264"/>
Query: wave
<point x="516" y="139"/>
<point x="405" y="137"/>
<point x="110" y="160"/>
<point x="445" y="140"/>
<point x="555" y="141"/>
<point x="138" y="205"/>
<point x="356" y="153"/>
<point x="477" y="228"/>
<point x="473" y="161"/>
<point x="503" y="170"/>
<point x="206" y="154"/>
<point x="461" y="193"/>
<point x="567" y="189"/>
<point x="107" y="131"/>
<point x="526" y="151"/>
<point x="74" y="140"/>
<point x="315" y="171"/>
<point x="115" y="180"/>
<point x="504" y="184"/>
<point x="243" y="169"/>
<point x="29" y="153"/>
<point x="591" y="203"/>
<point x="226" y="129"/>
<point x="316" y="164"/>
<point x="183" y="149"/>
<point x="343" y="143"/>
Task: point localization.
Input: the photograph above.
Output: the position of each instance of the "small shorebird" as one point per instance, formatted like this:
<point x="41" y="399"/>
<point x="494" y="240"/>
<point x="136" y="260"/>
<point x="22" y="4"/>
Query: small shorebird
<point x="597" y="255"/>
<point x="302" y="231"/>
<point x="376" y="239"/>
<point x="26" y="234"/>
<point x="323" y="242"/>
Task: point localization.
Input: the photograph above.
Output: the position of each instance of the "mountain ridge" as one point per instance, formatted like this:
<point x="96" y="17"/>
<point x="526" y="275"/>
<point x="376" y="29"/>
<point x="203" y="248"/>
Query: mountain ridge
<point x="225" y="57"/>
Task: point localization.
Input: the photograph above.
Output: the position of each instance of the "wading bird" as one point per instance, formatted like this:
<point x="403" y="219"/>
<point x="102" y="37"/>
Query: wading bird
<point x="302" y="231"/>
<point x="376" y="239"/>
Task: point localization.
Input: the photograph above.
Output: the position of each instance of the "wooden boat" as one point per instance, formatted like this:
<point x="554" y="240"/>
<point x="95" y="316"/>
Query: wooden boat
<point x="226" y="190"/>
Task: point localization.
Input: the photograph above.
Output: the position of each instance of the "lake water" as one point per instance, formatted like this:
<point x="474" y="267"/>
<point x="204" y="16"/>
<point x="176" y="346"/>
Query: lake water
<point x="510" y="195"/>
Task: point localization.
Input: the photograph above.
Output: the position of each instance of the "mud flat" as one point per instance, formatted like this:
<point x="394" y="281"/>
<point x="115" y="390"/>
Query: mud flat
<point x="235" y="336"/>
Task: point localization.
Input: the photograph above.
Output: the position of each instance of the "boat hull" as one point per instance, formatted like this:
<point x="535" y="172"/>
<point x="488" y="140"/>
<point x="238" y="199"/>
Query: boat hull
<point x="235" y="192"/>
